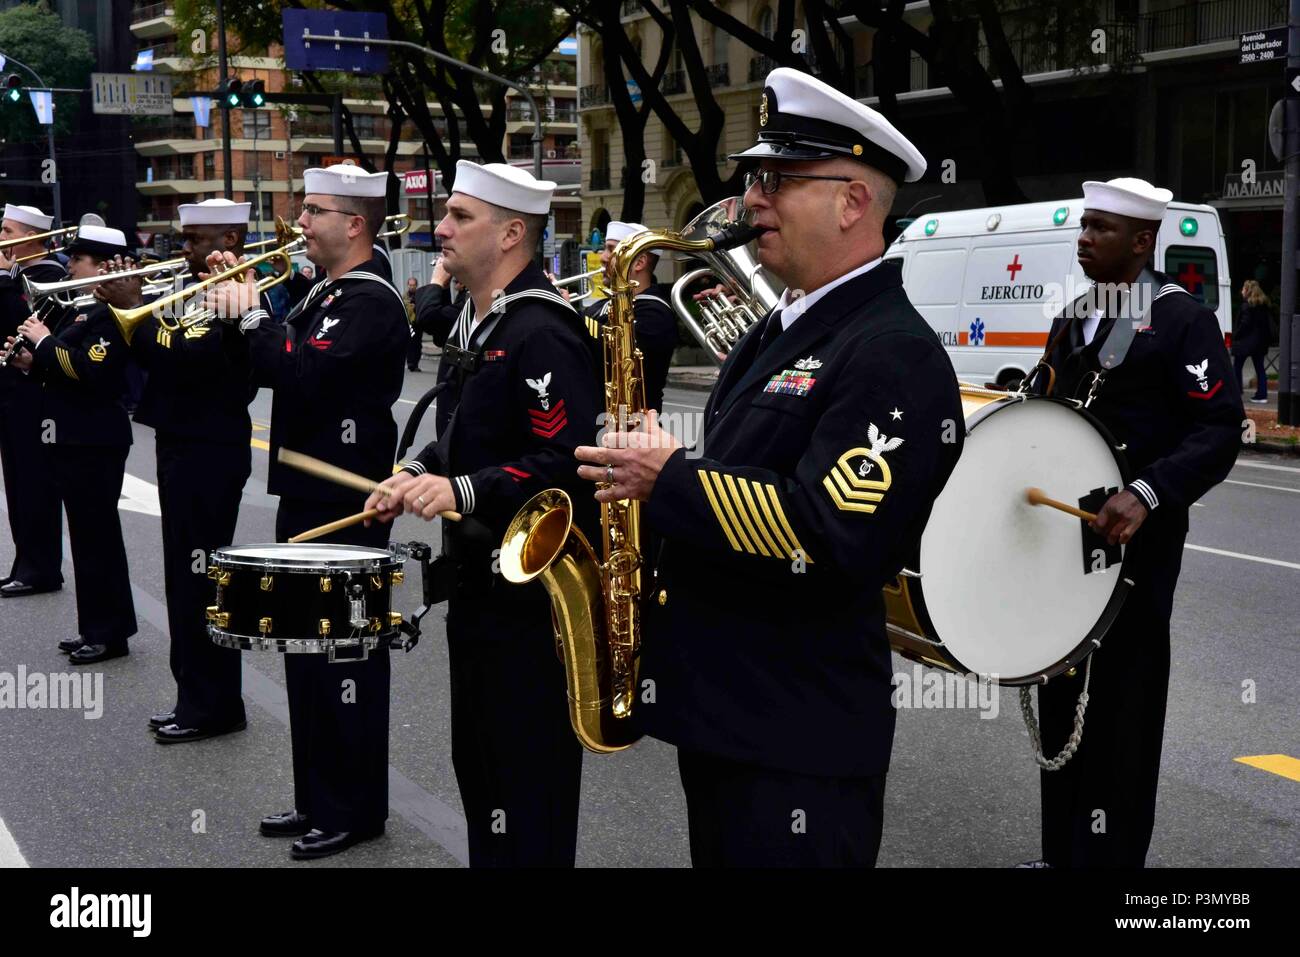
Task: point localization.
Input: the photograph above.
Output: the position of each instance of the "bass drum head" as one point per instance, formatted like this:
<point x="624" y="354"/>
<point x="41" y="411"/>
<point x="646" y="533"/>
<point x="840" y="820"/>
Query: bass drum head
<point x="1004" y="581"/>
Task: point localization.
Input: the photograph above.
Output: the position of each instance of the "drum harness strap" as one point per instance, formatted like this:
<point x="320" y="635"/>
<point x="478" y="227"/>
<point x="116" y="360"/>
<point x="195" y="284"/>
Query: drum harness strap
<point x="1113" y="351"/>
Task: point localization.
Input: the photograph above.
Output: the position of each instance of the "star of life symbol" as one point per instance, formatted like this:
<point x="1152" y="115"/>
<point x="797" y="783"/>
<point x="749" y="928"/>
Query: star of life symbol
<point x="977" y="332"/>
<point x="880" y="444"/>
<point x="1199" y="371"/>
<point x="326" y="325"/>
<point x="808" y="364"/>
<point x="539" y="386"/>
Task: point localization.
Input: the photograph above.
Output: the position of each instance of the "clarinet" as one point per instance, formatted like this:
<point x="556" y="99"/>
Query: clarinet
<point x="20" y="341"/>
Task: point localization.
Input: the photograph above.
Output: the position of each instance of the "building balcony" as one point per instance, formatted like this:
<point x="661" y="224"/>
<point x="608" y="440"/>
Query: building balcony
<point x="760" y="67"/>
<point x="150" y="20"/>
<point x="597" y="94"/>
<point x="673" y="82"/>
<point x="719" y="75"/>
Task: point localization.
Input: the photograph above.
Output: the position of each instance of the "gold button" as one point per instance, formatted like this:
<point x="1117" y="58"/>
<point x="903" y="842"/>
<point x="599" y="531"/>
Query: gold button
<point x="857" y="149"/>
<point x="663" y="596"/>
<point x="264" y="625"/>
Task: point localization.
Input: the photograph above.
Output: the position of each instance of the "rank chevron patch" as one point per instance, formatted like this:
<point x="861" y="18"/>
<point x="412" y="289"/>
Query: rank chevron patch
<point x="547" y="424"/>
<point x="849" y="487"/>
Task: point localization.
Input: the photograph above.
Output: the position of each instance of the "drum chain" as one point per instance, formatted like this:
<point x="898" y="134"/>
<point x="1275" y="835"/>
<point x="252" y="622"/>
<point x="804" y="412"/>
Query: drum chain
<point x="1035" y="738"/>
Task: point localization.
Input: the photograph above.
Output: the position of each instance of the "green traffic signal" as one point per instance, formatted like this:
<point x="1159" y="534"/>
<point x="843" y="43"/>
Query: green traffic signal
<point x="15" y="95"/>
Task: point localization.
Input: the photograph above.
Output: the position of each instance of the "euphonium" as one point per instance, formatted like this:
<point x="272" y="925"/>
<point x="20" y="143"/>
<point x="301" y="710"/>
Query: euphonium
<point x="595" y="605"/>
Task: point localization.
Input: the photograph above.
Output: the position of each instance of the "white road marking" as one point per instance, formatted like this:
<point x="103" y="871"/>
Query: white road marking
<point x="1247" y="558"/>
<point x="1273" y="468"/>
<point x="1276" y="488"/>
<point x="10" y="856"/>
<point x="139" y="496"/>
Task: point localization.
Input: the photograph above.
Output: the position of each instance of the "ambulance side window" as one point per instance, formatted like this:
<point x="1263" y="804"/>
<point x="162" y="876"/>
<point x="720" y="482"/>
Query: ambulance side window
<point x="1196" y="269"/>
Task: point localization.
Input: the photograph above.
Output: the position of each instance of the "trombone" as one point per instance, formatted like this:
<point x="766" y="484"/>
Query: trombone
<point x="401" y="227"/>
<point x="128" y="320"/>
<point x="59" y="291"/>
<point x="6" y="243"/>
<point x="585" y="279"/>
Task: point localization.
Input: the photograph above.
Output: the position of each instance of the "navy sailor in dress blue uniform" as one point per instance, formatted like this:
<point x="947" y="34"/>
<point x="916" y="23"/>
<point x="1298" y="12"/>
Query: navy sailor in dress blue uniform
<point x="655" y="322"/>
<point x="336" y="368"/>
<point x="196" y="400"/>
<point x="79" y="359"/>
<point x="1173" y="402"/>
<point x="35" y="517"/>
<point x="834" y="425"/>
<point x="521" y="395"/>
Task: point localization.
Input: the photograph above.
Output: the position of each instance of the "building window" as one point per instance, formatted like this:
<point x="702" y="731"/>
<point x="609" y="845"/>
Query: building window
<point x="568" y="220"/>
<point x="765" y="23"/>
<point x="268" y="207"/>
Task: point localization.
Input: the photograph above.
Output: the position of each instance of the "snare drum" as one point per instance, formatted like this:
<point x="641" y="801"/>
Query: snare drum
<point x="322" y="599"/>
<point x="1004" y="588"/>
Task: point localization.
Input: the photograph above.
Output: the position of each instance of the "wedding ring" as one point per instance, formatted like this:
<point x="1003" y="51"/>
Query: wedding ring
<point x="609" y="474"/>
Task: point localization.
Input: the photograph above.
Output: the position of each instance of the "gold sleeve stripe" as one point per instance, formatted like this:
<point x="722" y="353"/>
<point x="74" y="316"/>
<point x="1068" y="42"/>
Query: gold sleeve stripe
<point x="784" y="546"/>
<point x="785" y="523"/>
<point x="717" y="509"/>
<point x="66" y="362"/>
<point x="726" y="505"/>
<point x="759" y="522"/>
<point x="733" y="496"/>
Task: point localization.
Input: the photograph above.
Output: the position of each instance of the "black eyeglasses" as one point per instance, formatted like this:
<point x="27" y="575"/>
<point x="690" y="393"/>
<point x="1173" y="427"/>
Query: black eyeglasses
<point x="312" y="210"/>
<point x="770" y="179"/>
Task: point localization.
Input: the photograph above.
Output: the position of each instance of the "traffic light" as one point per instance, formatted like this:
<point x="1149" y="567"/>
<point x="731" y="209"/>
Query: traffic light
<point x="13" y="88"/>
<point x="239" y="94"/>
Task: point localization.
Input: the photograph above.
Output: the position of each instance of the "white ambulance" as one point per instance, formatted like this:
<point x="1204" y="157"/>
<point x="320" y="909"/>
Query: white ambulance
<point x="990" y="280"/>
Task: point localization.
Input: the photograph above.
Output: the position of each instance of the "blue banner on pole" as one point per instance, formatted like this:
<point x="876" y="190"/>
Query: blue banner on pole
<point x="300" y="54"/>
<point x="202" y="110"/>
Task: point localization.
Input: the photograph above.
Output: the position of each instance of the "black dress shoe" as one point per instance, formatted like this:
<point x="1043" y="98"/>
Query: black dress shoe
<point x="69" y="645"/>
<point x="317" y="843"/>
<point x="175" y="734"/>
<point x="89" y="654"/>
<point x="156" y="721"/>
<point x="17" y="589"/>
<point x="285" y="824"/>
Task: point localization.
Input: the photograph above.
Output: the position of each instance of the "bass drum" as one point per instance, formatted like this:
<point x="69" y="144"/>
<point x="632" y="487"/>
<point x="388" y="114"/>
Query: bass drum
<point x="1006" y="589"/>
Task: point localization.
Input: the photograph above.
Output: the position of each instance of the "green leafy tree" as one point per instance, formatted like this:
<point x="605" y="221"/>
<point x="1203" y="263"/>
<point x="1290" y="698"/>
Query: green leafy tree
<point x="62" y="56"/>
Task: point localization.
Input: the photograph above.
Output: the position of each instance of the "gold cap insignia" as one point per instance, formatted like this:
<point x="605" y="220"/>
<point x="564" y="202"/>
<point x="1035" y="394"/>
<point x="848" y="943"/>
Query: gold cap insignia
<point x="762" y="111"/>
<point x="857" y="149"/>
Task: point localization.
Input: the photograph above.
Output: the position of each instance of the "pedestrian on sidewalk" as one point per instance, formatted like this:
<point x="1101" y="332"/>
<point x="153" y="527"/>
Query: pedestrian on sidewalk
<point x="1253" y="336"/>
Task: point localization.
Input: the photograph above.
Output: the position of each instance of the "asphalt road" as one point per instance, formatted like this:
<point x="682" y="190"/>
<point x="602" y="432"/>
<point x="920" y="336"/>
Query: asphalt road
<point x="962" y="790"/>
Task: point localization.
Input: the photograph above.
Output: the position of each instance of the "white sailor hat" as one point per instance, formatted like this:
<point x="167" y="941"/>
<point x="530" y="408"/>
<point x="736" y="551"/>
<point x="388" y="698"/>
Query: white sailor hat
<point x="1127" y="196"/>
<point x="99" y="241"/>
<point x="28" y="216"/>
<point x="801" y="118"/>
<point x="503" y="185"/>
<point x="215" y="212"/>
<point x="345" y="179"/>
<point x="619" y="231"/>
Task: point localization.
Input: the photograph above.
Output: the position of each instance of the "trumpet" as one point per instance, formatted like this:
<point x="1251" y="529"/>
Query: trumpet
<point x="58" y="291"/>
<point x="128" y="320"/>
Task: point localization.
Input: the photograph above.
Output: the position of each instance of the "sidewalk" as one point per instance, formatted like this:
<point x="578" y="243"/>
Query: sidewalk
<point x="1269" y="436"/>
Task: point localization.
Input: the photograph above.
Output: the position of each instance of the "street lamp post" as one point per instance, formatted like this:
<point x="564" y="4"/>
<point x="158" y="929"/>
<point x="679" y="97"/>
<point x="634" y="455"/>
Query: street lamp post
<point x="49" y="131"/>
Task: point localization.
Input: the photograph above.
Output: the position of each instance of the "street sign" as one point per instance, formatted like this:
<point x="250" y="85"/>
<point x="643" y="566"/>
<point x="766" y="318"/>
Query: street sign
<point x="300" y="54"/>
<point x="131" y="94"/>
<point x="1263" y="46"/>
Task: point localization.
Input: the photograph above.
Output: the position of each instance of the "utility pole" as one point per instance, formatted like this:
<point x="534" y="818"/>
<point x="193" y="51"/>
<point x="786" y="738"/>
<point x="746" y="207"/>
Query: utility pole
<point x="222" y="64"/>
<point x="49" y="132"/>
<point x="1288" y="394"/>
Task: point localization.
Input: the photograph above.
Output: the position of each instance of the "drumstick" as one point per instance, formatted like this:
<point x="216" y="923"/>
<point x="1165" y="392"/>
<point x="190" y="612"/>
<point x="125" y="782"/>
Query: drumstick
<point x="339" y="476"/>
<point x="1036" y="496"/>
<point x="320" y="530"/>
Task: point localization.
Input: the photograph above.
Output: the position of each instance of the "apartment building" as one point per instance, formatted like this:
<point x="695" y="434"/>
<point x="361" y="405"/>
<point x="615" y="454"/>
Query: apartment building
<point x="1166" y="100"/>
<point x="181" y="162"/>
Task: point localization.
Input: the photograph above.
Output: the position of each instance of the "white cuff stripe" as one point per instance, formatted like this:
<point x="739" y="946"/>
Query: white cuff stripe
<point x="466" y="489"/>
<point x="415" y="467"/>
<point x="1147" y="492"/>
